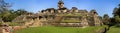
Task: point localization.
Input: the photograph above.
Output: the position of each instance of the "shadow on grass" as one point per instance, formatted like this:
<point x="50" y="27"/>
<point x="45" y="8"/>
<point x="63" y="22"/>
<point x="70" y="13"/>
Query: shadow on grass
<point x="117" y="25"/>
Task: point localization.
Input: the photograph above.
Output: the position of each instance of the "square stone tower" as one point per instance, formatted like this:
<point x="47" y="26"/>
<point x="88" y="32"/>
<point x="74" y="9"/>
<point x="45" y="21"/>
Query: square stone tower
<point x="60" y="4"/>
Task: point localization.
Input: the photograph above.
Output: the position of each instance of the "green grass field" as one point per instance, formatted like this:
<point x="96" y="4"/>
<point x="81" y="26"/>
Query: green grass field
<point x="51" y="29"/>
<point x="114" y="29"/>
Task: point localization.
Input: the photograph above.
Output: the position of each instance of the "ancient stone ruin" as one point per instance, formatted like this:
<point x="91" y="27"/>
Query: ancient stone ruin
<point x="61" y="17"/>
<point x="1" y="20"/>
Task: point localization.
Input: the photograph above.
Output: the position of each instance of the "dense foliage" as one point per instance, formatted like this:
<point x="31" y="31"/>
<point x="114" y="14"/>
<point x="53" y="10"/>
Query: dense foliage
<point x="116" y="14"/>
<point x="106" y="19"/>
<point x="7" y="14"/>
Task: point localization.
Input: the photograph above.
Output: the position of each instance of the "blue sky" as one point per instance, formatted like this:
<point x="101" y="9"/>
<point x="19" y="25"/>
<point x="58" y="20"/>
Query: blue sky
<point x="101" y="6"/>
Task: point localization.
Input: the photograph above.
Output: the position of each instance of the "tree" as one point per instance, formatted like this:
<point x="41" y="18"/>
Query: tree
<point x="4" y="6"/>
<point x="106" y="16"/>
<point x="6" y="14"/>
<point x="106" y="19"/>
<point x="117" y="19"/>
<point x="116" y="13"/>
<point x="21" y="12"/>
<point x="4" y="10"/>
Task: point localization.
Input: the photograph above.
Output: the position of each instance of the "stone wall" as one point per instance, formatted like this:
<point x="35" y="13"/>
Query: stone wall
<point x="1" y="20"/>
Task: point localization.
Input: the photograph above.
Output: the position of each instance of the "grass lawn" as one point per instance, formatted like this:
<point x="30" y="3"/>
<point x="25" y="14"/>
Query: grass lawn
<point x="114" y="29"/>
<point x="51" y="29"/>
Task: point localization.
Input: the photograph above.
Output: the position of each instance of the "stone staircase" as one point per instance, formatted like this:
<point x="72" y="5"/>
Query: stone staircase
<point x="33" y="23"/>
<point x="58" y="18"/>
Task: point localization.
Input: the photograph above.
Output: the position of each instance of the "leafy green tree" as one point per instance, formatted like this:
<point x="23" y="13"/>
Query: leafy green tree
<point x="6" y="14"/>
<point x="106" y="19"/>
<point x="21" y="12"/>
<point x="116" y="13"/>
<point x="4" y="10"/>
<point x="4" y="6"/>
<point x="117" y="19"/>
